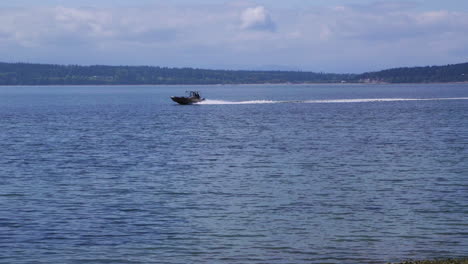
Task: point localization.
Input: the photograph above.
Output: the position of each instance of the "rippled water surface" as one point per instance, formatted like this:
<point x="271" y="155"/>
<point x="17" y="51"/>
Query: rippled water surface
<point x="255" y="174"/>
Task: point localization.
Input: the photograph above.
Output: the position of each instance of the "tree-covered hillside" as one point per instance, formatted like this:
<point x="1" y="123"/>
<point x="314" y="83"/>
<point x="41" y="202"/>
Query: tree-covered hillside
<point x="448" y="73"/>
<point x="48" y="74"/>
<point x="45" y="74"/>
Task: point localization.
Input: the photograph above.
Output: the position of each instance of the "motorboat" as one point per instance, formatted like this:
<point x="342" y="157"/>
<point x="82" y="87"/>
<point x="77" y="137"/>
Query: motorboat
<point x="192" y="98"/>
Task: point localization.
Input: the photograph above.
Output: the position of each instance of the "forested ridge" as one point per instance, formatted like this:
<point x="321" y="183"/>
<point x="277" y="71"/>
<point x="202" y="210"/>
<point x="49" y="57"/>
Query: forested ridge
<point x="47" y="74"/>
<point x="51" y="74"/>
<point x="428" y="74"/>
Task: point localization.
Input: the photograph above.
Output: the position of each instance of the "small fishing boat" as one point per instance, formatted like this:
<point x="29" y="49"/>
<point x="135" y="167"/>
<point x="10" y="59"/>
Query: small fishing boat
<point x="192" y="98"/>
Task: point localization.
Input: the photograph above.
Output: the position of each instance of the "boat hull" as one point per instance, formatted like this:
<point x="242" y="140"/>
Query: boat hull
<point x="186" y="100"/>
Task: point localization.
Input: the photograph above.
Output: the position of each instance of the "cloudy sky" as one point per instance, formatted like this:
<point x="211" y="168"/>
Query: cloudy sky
<point x="313" y="35"/>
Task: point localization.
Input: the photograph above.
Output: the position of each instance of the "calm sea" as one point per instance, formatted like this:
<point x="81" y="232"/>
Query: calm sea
<point x="255" y="174"/>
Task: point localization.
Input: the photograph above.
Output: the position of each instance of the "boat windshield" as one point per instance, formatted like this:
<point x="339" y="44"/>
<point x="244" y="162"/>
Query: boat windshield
<point x="194" y="94"/>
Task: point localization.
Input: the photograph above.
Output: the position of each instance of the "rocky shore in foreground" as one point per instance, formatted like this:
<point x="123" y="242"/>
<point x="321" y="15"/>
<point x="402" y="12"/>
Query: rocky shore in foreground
<point x="440" y="261"/>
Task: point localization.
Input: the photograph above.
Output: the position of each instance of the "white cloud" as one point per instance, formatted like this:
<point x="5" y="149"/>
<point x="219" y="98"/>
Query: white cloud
<point x="434" y="17"/>
<point x="397" y="26"/>
<point x="325" y="33"/>
<point x="257" y="18"/>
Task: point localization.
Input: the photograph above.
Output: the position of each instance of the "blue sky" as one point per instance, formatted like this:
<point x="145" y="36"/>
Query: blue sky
<point x="315" y="35"/>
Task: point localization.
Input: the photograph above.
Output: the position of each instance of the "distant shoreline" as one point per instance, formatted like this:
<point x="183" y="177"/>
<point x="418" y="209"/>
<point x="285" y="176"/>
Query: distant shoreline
<point x="51" y="74"/>
<point x="230" y="84"/>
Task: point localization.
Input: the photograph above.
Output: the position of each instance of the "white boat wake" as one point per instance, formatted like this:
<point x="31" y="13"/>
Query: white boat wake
<point x="222" y="102"/>
<point x="362" y="100"/>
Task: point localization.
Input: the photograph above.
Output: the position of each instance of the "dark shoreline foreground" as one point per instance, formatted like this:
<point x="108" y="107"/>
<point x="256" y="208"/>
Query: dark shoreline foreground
<point x="440" y="261"/>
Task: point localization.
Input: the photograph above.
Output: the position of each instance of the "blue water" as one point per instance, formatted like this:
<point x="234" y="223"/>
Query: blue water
<point x="255" y="174"/>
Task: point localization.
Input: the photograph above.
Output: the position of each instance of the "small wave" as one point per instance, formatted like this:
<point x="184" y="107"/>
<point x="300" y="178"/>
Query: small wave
<point x="359" y="100"/>
<point x="369" y="100"/>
